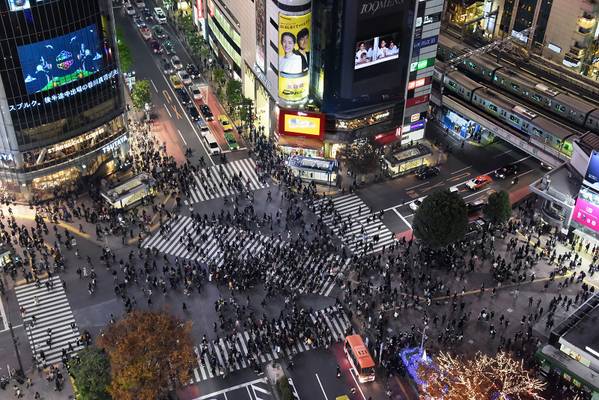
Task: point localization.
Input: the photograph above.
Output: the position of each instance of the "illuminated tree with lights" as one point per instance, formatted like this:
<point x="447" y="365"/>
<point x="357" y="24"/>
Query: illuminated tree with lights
<point x="482" y="377"/>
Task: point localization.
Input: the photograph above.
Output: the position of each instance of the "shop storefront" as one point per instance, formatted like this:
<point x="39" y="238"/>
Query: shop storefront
<point x="318" y="170"/>
<point x="464" y="128"/>
<point x="301" y="133"/>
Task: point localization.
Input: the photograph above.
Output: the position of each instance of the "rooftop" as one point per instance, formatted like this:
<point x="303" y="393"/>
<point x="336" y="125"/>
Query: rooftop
<point x="562" y="183"/>
<point x="589" y="142"/>
<point x="579" y="331"/>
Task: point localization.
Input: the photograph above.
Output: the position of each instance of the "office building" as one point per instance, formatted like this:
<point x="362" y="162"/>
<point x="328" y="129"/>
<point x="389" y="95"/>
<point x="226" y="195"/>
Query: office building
<point x="61" y="97"/>
<point x="323" y="73"/>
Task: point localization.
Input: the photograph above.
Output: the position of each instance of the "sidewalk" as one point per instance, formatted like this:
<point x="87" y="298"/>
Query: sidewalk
<point x="40" y="385"/>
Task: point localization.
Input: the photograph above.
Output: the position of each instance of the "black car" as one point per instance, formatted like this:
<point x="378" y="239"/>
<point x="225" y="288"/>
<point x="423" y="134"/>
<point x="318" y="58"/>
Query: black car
<point x="475" y="206"/>
<point x="508" y="170"/>
<point x="427" y="173"/>
<point x="193" y="113"/>
<point x="206" y="112"/>
<point x="167" y="68"/>
<point x="193" y="71"/>
<point x="147" y="14"/>
<point x="155" y="46"/>
<point x="183" y="96"/>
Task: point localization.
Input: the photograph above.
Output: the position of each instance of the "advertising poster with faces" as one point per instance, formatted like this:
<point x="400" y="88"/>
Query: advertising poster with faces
<point x="376" y="50"/>
<point x="294" y="56"/>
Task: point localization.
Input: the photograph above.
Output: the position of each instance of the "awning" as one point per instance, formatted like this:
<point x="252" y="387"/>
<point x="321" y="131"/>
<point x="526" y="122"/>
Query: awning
<point x="386" y="138"/>
<point x="300" y="142"/>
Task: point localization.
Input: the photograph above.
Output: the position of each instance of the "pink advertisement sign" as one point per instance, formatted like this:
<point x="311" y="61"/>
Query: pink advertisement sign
<point x="586" y="214"/>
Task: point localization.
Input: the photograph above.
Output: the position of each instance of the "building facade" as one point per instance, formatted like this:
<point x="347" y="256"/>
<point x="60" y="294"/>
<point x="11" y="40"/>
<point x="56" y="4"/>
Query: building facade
<point x="323" y="73"/>
<point x="62" y="105"/>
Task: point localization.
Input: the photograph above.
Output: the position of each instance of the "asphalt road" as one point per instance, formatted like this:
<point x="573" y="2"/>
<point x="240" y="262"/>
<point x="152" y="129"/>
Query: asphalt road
<point x="178" y="130"/>
<point x="463" y="164"/>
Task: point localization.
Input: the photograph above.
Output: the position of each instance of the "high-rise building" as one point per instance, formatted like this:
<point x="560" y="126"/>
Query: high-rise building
<point x="323" y="73"/>
<point x="61" y="98"/>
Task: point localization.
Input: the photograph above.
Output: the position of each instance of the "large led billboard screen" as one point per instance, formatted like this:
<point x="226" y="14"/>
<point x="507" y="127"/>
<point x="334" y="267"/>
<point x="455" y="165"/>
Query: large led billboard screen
<point x="586" y="211"/>
<point x="301" y="123"/>
<point x="61" y="60"/>
<point x="376" y="50"/>
<point x="591" y="178"/>
<point x="294" y="56"/>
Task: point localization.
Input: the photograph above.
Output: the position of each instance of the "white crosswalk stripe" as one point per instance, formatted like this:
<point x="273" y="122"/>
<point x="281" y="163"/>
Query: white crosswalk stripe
<point x="223" y="180"/>
<point x="184" y="238"/>
<point x="51" y="309"/>
<point x="336" y="321"/>
<point x="351" y="219"/>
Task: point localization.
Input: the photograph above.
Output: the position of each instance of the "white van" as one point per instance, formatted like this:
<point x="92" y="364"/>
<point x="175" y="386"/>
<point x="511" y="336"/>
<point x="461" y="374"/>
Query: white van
<point x="211" y="142"/>
<point x="160" y="15"/>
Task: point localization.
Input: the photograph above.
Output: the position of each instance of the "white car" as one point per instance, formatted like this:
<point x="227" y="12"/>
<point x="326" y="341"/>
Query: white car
<point x="160" y="15"/>
<point x="416" y="204"/>
<point x="130" y="9"/>
<point x="185" y="78"/>
<point x="140" y="3"/>
<point x="176" y="62"/>
<point x="196" y="92"/>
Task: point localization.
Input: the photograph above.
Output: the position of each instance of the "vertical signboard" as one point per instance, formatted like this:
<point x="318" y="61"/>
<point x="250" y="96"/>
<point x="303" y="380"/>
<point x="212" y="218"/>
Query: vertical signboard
<point x="294" y="57"/>
<point x="261" y="34"/>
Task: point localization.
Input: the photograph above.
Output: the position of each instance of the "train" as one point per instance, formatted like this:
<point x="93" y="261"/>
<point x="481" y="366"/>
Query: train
<point x="583" y="114"/>
<point x="536" y="128"/>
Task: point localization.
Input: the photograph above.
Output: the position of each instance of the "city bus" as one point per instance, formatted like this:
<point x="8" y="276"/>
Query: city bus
<point x="359" y="358"/>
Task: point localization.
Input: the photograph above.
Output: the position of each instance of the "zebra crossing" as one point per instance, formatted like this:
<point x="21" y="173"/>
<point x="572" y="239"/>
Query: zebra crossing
<point x="221" y="180"/>
<point x="335" y="319"/>
<point x="184" y="238"/>
<point x="359" y="229"/>
<point x="48" y="319"/>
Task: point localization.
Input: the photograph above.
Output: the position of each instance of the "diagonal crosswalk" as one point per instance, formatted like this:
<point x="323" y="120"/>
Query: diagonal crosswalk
<point x="186" y="238"/>
<point x="225" y="180"/>
<point x="359" y="229"/>
<point x="220" y="358"/>
<point x="48" y="319"/>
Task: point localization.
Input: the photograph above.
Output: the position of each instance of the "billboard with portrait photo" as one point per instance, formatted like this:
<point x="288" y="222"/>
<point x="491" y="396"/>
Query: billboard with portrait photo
<point x="294" y="56"/>
<point x="376" y="50"/>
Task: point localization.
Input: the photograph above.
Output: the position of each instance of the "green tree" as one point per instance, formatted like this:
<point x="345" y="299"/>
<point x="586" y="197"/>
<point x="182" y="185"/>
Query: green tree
<point x="125" y="58"/>
<point x="91" y="371"/>
<point x="441" y="219"/>
<point x="246" y="110"/>
<point x="140" y="95"/>
<point x="151" y="354"/>
<point x="219" y="76"/>
<point x="498" y="208"/>
<point x="362" y="158"/>
<point x="195" y="43"/>
<point x="233" y="92"/>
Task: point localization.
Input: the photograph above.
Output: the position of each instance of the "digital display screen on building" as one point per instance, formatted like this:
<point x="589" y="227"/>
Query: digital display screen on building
<point x="586" y="213"/>
<point x="299" y="123"/>
<point x="591" y="178"/>
<point x="55" y="62"/>
<point x="294" y="56"/>
<point x="18" y="5"/>
<point x="376" y="50"/>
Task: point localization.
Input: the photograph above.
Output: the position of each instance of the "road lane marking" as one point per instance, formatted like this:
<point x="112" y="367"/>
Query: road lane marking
<point x="524" y="173"/>
<point x="166" y="95"/>
<point x="405" y="221"/>
<point x="229" y="389"/>
<point x="182" y="138"/>
<point x="460" y="170"/>
<point x="176" y="111"/>
<point x="477" y="192"/>
<point x="3" y="316"/>
<point x="458" y="177"/>
<point x="167" y="110"/>
<point x="414" y="187"/>
<point x="153" y="84"/>
<point x="321" y="388"/>
<point x="503" y="154"/>
<point x="353" y="374"/>
<point x="193" y="128"/>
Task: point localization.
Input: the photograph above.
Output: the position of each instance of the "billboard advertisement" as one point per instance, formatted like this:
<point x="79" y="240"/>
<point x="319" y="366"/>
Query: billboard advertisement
<point x="55" y="62"/>
<point x="261" y="34"/>
<point x="591" y="178"/>
<point x="376" y="50"/>
<point x="301" y="123"/>
<point x="294" y="56"/>
<point x="18" y="5"/>
<point x="586" y="214"/>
